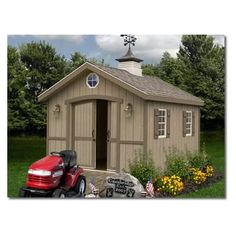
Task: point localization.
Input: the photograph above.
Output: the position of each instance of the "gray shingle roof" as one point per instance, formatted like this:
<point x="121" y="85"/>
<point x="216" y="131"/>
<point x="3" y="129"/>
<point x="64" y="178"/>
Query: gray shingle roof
<point x="150" y="85"/>
<point x="147" y="87"/>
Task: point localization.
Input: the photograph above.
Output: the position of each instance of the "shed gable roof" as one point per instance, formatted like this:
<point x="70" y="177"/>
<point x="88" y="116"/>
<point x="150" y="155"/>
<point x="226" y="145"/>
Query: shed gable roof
<point x="146" y="87"/>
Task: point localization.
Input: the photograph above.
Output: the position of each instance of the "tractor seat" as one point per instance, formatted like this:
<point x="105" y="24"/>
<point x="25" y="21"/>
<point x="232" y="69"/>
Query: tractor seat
<point x="69" y="157"/>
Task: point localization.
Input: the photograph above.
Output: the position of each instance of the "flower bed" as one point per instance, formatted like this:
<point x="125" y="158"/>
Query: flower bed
<point x="184" y="172"/>
<point x="170" y="186"/>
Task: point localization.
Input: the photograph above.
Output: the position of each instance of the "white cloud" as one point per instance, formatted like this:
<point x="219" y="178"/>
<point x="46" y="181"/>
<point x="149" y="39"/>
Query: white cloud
<point x="69" y="38"/>
<point x="110" y="43"/>
<point x="148" y="47"/>
<point x="219" y="39"/>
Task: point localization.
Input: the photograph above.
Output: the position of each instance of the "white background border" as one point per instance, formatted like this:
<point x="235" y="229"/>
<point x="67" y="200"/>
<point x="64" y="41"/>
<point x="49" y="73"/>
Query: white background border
<point x="155" y="217"/>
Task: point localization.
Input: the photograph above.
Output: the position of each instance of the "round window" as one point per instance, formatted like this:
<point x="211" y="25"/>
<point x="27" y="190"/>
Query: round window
<point x="92" y="80"/>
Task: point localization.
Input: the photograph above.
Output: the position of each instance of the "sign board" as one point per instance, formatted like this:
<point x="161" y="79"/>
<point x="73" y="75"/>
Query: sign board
<point x="123" y="185"/>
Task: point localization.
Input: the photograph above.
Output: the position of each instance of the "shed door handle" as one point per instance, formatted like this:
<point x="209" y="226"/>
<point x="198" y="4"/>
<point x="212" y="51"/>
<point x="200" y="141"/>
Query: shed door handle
<point x="108" y="135"/>
<point x="93" y="135"/>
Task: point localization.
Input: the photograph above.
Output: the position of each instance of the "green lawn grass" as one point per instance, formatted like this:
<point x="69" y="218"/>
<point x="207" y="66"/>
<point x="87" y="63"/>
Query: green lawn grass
<point x="22" y="151"/>
<point x="215" y="148"/>
<point x="216" y="190"/>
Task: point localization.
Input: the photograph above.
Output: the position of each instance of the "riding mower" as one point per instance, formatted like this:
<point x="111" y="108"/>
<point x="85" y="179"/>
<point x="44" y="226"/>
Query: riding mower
<point x="56" y="175"/>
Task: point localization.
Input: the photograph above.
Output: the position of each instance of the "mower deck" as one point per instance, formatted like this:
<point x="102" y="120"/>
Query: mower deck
<point x="37" y="192"/>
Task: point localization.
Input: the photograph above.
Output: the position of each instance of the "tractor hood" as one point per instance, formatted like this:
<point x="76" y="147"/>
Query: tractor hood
<point x="47" y="163"/>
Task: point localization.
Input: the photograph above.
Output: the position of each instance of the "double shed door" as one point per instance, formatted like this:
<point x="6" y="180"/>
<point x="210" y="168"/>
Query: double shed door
<point x="84" y="134"/>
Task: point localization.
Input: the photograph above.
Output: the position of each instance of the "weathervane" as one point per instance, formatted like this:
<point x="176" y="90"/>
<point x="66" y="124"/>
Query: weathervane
<point x="129" y="39"/>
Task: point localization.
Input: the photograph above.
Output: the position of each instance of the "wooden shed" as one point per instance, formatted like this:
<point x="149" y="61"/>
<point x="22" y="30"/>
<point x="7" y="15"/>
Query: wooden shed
<point x="107" y="114"/>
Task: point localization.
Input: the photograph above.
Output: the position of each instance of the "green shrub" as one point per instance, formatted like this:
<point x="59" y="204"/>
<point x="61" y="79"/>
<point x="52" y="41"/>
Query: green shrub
<point x="142" y="167"/>
<point x="199" y="160"/>
<point x="177" y="164"/>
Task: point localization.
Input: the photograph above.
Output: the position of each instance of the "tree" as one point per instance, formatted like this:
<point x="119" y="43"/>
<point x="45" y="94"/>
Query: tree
<point x="44" y="66"/>
<point x="150" y="69"/>
<point x="172" y="70"/>
<point x="76" y="60"/>
<point x="17" y="102"/>
<point x="204" y="75"/>
<point x="169" y="69"/>
<point x="31" y="70"/>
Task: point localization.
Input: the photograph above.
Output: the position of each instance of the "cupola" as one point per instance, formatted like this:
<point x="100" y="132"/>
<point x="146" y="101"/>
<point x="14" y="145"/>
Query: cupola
<point x="129" y="62"/>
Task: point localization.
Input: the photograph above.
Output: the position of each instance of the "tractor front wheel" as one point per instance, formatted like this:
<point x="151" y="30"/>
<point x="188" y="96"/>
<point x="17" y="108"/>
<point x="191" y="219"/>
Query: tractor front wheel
<point x="59" y="193"/>
<point x="80" y="186"/>
<point x="23" y="193"/>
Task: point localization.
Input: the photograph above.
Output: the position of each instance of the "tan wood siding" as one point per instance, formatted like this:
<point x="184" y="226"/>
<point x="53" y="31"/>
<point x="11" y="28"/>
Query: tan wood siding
<point x="63" y="114"/>
<point x="51" y="117"/>
<point x="83" y="131"/>
<point x="127" y="154"/>
<point x="161" y="146"/>
<point x="113" y="156"/>
<point x="132" y="127"/>
<point x="138" y="107"/>
<point x="57" y="127"/>
<point x="56" y="145"/>
<point x="83" y="120"/>
<point x="84" y="153"/>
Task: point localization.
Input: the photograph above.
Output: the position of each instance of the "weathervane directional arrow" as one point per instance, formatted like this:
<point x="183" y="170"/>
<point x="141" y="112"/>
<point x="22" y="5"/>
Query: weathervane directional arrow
<point x="129" y="39"/>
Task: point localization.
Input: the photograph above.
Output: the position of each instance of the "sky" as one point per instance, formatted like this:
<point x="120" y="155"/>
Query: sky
<point x="149" y="48"/>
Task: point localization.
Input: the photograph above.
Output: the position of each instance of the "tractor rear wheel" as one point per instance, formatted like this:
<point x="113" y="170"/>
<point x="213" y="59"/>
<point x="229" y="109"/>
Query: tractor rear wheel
<point x="80" y="186"/>
<point x="59" y="193"/>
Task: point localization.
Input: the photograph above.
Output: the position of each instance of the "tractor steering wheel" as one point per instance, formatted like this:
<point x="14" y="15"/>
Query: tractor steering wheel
<point x="57" y="154"/>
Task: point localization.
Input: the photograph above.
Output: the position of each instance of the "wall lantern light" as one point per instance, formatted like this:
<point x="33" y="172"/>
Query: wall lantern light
<point x="56" y="109"/>
<point x="128" y="110"/>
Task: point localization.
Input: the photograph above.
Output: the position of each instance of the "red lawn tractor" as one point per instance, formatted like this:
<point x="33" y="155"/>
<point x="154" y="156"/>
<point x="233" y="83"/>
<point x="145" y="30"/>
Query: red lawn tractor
<point x="56" y="175"/>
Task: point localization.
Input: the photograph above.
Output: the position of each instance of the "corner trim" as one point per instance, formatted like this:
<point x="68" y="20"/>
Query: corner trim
<point x="67" y="126"/>
<point x="145" y="126"/>
<point x="199" y="129"/>
<point x="47" y="140"/>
